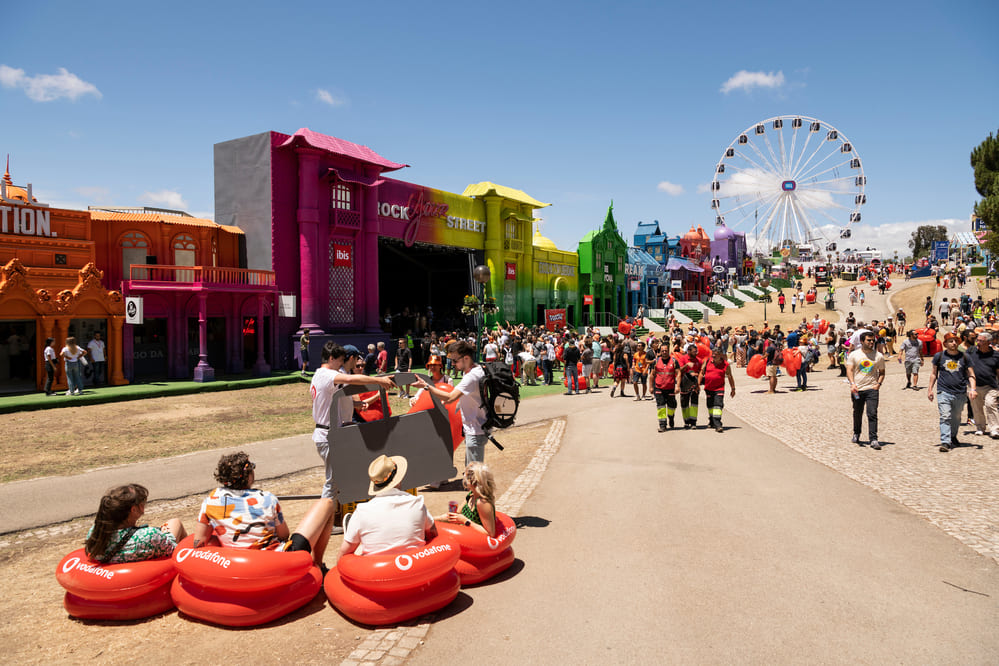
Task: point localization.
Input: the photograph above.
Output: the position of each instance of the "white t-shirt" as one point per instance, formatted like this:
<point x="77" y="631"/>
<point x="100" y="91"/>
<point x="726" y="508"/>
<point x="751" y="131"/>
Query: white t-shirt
<point x="473" y="414"/>
<point x="389" y="523"/>
<point x="50" y="354"/>
<point x="322" y="389"/>
<point x="550" y="351"/>
<point x="96" y="348"/>
<point x="69" y="356"/>
<point x="490" y="352"/>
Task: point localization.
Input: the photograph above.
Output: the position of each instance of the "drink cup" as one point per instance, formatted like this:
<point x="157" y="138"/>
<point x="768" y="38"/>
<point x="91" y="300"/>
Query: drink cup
<point x="452" y="506"/>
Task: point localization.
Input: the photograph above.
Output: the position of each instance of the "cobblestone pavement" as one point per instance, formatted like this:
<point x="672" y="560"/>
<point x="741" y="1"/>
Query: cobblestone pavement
<point x="390" y="647"/>
<point x="955" y="491"/>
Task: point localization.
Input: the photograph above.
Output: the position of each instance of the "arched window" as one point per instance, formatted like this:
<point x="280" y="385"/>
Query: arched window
<point x="134" y="249"/>
<point x="340" y="197"/>
<point x="185" y="253"/>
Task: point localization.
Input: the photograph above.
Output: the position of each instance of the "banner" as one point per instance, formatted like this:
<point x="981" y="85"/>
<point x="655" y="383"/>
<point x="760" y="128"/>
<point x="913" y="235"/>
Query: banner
<point x="940" y="250"/>
<point x="587" y="299"/>
<point x="341" y="256"/>
<point x="554" y="319"/>
<point x="511" y="271"/>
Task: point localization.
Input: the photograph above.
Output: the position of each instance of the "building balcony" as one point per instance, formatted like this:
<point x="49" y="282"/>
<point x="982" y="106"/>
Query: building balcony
<point x="199" y="278"/>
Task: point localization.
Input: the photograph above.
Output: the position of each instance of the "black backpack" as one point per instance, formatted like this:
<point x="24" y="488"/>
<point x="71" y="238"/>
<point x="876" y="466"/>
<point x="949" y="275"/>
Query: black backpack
<point x="500" y="395"/>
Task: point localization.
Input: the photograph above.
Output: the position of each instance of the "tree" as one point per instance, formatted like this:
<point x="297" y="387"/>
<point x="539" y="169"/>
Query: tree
<point x="923" y="237"/>
<point x="985" y="162"/>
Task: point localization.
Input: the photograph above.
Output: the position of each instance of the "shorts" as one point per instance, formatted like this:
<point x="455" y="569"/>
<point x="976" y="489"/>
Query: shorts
<point x="620" y="373"/>
<point x="638" y="377"/>
<point x="831" y="349"/>
<point x="296" y="542"/>
<point x="587" y="370"/>
<point x="913" y="366"/>
<point x="771" y="371"/>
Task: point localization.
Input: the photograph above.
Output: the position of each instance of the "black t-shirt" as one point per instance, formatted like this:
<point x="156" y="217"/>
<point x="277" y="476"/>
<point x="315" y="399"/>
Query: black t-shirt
<point x="369" y="363"/>
<point x="952" y="372"/>
<point x="403" y="356"/>
<point x="571" y="354"/>
<point x="985" y="366"/>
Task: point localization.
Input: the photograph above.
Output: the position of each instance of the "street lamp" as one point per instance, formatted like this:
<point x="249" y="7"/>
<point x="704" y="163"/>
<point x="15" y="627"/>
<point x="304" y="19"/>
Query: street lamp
<point x="480" y="274"/>
<point x="765" y="282"/>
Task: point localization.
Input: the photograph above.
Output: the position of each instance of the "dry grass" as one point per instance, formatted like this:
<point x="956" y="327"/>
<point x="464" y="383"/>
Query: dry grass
<point x="752" y="312"/>
<point x="911" y="300"/>
<point x="58" y="441"/>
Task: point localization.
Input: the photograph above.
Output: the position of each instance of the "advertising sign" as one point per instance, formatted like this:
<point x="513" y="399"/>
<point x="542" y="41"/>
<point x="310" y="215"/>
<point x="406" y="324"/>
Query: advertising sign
<point x="731" y="271"/>
<point x="634" y="285"/>
<point x="940" y="250"/>
<point x="286" y="305"/>
<point x="133" y="309"/>
<point x="511" y="271"/>
<point x="341" y="256"/>
<point x="554" y="319"/>
<point x="587" y="299"/>
<point x="676" y="284"/>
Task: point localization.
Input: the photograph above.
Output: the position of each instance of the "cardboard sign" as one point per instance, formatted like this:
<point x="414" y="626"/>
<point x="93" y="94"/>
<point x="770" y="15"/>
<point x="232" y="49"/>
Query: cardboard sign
<point x="554" y="319"/>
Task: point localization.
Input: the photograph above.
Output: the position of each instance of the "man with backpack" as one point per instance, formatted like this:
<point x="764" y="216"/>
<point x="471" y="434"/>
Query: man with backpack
<point x="469" y="396"/>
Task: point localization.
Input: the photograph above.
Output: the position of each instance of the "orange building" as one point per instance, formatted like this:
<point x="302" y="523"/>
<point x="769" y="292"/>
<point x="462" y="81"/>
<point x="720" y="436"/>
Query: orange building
<point x="50" y="286"/>
<point x="68" y="273"/>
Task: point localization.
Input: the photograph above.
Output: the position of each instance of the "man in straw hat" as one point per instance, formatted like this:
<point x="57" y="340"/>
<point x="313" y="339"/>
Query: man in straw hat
<point x="392" y="520"/>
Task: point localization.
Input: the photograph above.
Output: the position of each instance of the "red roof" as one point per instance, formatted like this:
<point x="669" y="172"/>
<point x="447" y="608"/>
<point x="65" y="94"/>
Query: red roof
<point x="305" y="136"/>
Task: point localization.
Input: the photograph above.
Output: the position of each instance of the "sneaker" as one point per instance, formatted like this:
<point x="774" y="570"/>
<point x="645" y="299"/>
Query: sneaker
<point x="686" y="426"/>
<point x="875" y="445"/>
<point x="718" y="428"/>
<point x="69" y="393"/>
<point x="979" y="432"/>
<point x="944" y="448"/>
<point x="77" y="392"/>
<point x="908" y="385"/>
<point x="612" y="391"/>
<point x="994" y="435"/>
<point x="662" y="428"/>
<point x="855" y="439"/>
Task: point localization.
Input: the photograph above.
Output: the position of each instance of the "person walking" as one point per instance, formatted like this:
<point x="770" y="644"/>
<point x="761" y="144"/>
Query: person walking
<point x="712" y="376"/>
<point x="639" y="370"/>
<point x="781" y="301"/>
<point x="865" y="370"/>
<point x="688" y="371"/>
<point x="910" y="355"/>
<point x="571" y="357"/>
<point x="985" y="363"/>
<point x="621" y="364"/>
<point x="403" y="358"/>
<point x="586" y="359"/>
<point x="73" y="356"/>
<point x="662" y="384"/>
<point x="954" y="379"/>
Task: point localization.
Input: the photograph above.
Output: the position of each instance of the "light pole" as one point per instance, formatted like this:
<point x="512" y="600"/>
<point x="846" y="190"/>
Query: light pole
<point x="480" y="274"/>
<point x="765" y="282"/>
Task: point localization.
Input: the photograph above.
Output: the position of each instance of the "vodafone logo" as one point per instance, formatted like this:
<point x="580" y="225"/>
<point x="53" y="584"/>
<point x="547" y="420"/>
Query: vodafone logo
<point x="182" y="554"/>
<point x="403" y="562"/>
<point x="69" y="564"/>
<point x="493" y="543"/>
<point x="210" y="556"/>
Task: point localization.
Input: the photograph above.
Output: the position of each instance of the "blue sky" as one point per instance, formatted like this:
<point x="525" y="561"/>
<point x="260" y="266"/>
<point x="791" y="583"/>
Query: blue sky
<point x="575" y="103"/>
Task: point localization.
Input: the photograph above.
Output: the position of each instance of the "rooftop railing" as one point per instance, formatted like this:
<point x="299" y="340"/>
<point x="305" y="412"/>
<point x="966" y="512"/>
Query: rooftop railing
<point x="215" y="276"/>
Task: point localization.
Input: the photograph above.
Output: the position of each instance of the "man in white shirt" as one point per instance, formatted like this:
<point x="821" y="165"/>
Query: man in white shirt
<point x="96" y="348"/>
<point x="392" y="521"/>
<point x="335" y="372"/>
<point x="467" y="393"/>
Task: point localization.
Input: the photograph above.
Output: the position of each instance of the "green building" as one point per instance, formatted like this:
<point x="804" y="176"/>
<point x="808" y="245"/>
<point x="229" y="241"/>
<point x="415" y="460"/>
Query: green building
<point x="602" y="256"/>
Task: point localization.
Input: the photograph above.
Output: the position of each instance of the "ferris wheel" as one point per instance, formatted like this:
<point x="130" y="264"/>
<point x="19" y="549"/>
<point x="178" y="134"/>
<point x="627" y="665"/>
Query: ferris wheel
<point x="783" y="179"/>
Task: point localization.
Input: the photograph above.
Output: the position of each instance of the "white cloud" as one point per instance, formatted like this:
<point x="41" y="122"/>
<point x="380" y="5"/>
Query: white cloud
<point x="669" y="188"/>
<point x="704" y="188"/>
<point x="746" y="81"/>
<point x="165" y="199"/>
<point x="47" y="87"/>
<point x="888" y="237"/>
<point x="98" y="195"/>
<point x="204" y="215"/>
<point x="326" y="97"/>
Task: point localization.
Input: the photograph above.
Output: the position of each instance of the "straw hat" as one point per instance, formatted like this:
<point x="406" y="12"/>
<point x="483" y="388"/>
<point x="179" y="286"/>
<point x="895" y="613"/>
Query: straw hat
<point x="386" y="472"/>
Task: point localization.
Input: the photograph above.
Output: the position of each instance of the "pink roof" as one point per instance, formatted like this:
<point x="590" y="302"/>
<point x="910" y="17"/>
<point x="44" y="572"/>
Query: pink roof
<point x="341" y="147"/>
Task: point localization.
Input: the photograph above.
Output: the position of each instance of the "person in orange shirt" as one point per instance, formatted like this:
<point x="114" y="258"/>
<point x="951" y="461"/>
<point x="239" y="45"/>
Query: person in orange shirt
<point x="639" y="370"/>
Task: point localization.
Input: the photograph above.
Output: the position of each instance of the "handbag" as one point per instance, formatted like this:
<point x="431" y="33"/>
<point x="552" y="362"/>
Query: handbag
<point x="83" y="361"/>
